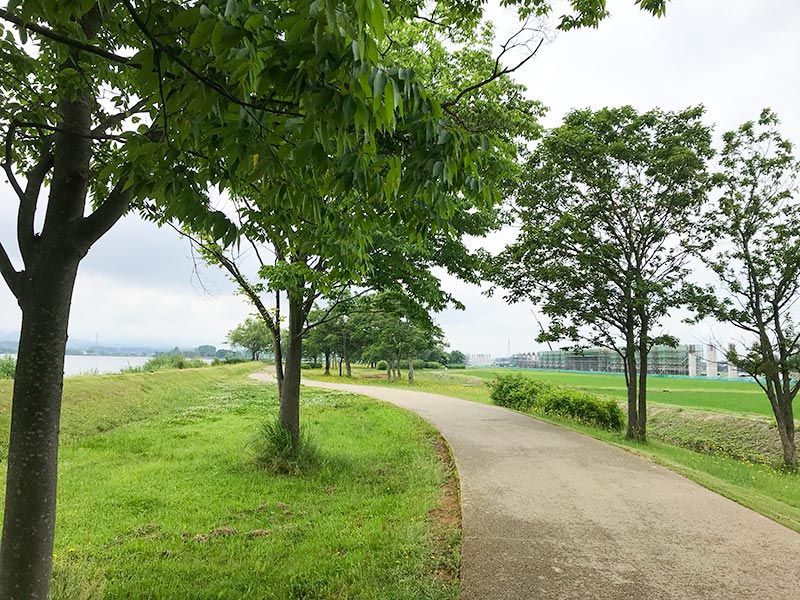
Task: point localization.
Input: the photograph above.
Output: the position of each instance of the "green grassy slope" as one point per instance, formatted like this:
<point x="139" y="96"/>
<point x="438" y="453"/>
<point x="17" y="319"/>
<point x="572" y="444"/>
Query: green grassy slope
<point x="159" y="497"/>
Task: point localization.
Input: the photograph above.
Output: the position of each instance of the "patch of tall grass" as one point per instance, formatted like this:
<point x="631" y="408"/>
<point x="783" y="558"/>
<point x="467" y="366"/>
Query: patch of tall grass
<point x="277" y="452"/>
<point x="167" y="361"/>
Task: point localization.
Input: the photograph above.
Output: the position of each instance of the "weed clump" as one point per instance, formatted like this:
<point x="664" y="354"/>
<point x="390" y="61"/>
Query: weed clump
<point x="278" y="452"/>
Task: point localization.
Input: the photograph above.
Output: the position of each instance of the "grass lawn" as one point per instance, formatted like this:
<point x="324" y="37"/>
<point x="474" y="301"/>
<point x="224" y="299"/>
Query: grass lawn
<point x="760" y="487"/>
<point x="159" y="497"/>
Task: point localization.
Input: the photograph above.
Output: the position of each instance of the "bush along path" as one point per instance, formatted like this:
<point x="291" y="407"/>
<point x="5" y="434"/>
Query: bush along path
<point x="550" y="513"/>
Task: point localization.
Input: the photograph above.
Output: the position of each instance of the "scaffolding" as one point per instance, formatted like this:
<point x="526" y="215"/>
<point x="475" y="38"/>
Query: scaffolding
<point x="662" y="360"/>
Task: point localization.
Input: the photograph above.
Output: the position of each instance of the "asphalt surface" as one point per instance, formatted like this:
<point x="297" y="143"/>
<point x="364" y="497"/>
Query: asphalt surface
<point x="548" y="513"/>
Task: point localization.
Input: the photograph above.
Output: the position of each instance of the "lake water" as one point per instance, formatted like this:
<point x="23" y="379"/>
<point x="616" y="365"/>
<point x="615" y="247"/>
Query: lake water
<point x="82" y="365"/>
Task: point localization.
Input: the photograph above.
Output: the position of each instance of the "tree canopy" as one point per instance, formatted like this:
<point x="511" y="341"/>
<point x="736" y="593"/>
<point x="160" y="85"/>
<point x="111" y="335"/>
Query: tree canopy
<point x="606" y="218"/>
<point x="108" y="104"/>
<point x="752" y="244"/>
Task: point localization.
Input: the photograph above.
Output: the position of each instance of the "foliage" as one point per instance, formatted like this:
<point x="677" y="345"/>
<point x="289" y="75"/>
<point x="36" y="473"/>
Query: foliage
<point x="526" y="394"/>
<point x="277" y="452"/>
<point x="252" y="335"/>
<point x="382" y="365"/>
<point x="518" y="392"/>
<point x="607" y="214"/>
<point x="7" y="367"/>
<point x="456" y="366"/>
<point x="154" y="103"/>
<point x="456" y="357"/>
<point x="228" y="361"/>
<point x="168" y="361"/>
<point x="752" y="244"/>
<point x="583" y="407"/>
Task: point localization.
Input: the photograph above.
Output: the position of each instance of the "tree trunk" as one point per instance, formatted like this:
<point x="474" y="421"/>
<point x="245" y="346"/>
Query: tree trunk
<point x="346" y="355"/>
<point x="641" y="425"/>
<point x="340" y="366"/>
<point x="631" y="384"/>
<point x="277" y="347"/>
<point x="289" y="413"/>
<point x="410" y="370"/>
<point x="389" y="369"/>
<point x="641" y="429"/>
<point x="327" y="362"/>
<point x="785" y="419"/>
<point x="26" y="553"/>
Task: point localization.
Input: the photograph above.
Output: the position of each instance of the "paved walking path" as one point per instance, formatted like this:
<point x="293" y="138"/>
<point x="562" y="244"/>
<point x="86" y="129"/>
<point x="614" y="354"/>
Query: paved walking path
<point x="549" y="513"/>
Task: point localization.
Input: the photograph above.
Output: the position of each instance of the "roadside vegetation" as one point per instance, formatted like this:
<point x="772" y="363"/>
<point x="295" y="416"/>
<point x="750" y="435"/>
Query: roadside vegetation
<point x="167" y="361"/>
<point x="701" y="433"/>
<point x="7" y="367"/>
<point x="161" y="484"/>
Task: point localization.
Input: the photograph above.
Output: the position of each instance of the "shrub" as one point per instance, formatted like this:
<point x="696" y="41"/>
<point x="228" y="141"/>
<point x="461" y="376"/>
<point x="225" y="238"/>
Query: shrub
<point x="172" y="361"/>
<point x="419" y="364"/>
<point x="277" y="453"/>
<point x="306" y="365"/>
<point x="583" y="407"/>
<point x="234" y="360"/>
<point x="382" y="365"/>
<point x="167" y="361"/>
<point x="432" y="364"/>
<point x="519" y="392"/>
<point x="8" y="365"/>
<point x="456" y="366"/>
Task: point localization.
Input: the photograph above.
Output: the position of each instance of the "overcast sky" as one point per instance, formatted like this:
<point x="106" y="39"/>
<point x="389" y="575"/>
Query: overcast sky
<point x="138" y="284"/>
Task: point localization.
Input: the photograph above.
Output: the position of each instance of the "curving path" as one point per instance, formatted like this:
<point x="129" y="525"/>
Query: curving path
<point x="549" y="513"/>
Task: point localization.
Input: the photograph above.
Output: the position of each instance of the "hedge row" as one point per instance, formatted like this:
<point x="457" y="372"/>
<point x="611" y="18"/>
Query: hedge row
<point x="522" y="393"/>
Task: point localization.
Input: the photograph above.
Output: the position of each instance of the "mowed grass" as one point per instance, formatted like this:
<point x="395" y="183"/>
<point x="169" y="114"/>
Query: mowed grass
<point x="761" y="487"/>
<point x="168" y="504"/>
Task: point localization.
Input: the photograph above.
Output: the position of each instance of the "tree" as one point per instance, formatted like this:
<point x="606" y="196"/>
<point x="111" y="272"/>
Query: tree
<point x="192" y="75"/>
<point x="456" y="357"/>
<point x="206" y="350"/>
<point x="607" y="216"/>
<point x="261" y="83"/>
<point x="752" y="244"/>
<point x="251" y="335"/>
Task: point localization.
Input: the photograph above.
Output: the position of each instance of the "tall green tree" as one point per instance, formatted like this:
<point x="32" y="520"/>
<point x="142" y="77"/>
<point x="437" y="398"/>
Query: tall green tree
<point x="269" y="86"/>
<point x="253" y="336"/>
<point x="607" y="216"/>
<point x="752" y="237"/>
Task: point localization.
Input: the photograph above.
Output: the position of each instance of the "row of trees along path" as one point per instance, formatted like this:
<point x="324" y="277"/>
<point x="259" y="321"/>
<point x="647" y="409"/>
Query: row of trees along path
<point x="113" y="104"/>
<point x="615" y="214"/>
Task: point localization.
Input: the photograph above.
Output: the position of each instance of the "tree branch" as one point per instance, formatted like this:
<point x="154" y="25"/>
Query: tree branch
<point x="9" y="273"/>
<point x="96" y="225"/>
<point x="28" y="204"/>
<point x="496" y="73"/>
<point x="119" y="117"/>
<point x="63" y="39"/>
